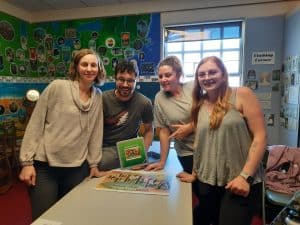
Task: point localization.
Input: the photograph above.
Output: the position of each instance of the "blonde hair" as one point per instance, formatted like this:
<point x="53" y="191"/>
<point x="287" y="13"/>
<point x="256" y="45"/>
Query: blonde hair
<point x="222" y="104"/>
<point x="73" y="73"/>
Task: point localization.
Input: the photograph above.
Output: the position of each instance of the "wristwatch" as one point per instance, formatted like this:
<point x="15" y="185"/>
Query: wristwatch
<point x="247" y="177"/>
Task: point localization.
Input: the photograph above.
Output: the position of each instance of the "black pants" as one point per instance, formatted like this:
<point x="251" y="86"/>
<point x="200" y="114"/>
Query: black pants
<point x="52" y="183"/>
<point x="186" y="163"/>
<point x="218" y="206"/>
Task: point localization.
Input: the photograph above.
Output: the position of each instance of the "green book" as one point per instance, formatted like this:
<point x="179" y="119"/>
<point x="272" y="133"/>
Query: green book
<point x="132" y="152"/>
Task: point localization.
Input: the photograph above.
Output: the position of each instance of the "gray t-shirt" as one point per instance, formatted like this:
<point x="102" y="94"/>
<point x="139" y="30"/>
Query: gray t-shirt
<point x="122" y="119"/>
<point x="169" y="110"/>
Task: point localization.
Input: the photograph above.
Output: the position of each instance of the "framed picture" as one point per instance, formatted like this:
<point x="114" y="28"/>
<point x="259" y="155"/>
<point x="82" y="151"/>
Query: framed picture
<point x="132" y="152"/>
<point x="251" y="84"/>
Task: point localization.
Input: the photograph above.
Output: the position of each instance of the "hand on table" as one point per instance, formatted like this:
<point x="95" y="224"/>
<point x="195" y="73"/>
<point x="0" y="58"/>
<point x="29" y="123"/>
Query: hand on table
<point x="155" y="166"/>
<point x="94" y="172"/>
<point x="186" y="177"/>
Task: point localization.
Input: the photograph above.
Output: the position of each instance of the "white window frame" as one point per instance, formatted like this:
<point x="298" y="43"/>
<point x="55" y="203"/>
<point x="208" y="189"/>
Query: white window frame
<point x="235" y="78"/>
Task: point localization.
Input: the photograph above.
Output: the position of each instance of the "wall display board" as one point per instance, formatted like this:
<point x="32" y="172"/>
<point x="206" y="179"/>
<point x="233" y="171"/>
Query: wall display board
<point x="13" y="49"/>
<point x="46" y="49"/>
<point x="290" y="94"/>
<point x="13" y="107"/>
<point x="31" y="55"/>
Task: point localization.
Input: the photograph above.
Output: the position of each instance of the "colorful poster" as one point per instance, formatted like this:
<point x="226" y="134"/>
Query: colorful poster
<point x="135" y="37"/>
<point x="136" y="182"/>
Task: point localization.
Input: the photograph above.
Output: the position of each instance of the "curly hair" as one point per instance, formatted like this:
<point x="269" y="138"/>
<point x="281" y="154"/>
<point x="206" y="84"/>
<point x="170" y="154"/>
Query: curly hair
<point x="222" y="104"/>
<point x="73" y="70"/>
<point x="126" y="66"/>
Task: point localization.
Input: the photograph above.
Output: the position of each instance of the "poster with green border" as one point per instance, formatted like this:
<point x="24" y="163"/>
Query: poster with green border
<point x="132" y="152"/>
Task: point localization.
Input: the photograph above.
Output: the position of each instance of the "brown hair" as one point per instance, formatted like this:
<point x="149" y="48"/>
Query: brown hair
<point x="73" y="73"/>
<point x="222" y="105"/>
<point x="126" y="66"/>
<point x="173" y="62"/>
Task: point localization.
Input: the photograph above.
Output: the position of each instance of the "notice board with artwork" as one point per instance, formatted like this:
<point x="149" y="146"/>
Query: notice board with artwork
<point x="45" y="49"/>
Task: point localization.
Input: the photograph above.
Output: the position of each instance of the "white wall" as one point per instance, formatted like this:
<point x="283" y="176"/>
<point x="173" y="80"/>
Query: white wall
<point x="225" y="13"/>
<point x="291" y="48"/>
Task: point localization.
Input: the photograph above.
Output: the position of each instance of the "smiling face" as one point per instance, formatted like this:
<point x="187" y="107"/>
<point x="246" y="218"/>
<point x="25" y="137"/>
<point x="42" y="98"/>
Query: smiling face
<point x="88" y="68"/>
<point x="125" y="85"/>
<point x="210" y="77"/>
<point x="167" y="78"/>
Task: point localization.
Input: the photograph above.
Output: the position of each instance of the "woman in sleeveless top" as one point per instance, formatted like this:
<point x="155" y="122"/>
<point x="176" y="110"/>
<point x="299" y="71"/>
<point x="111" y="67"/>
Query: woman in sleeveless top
<point x="229" y="145"/>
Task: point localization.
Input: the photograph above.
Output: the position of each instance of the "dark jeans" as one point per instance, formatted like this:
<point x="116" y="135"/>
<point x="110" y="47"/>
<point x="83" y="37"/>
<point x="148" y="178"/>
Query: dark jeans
<point x="186" y="163"/>
<point x="52" y="183"/>
<point x="218" y="206"/>
<point x="110" y="159"/>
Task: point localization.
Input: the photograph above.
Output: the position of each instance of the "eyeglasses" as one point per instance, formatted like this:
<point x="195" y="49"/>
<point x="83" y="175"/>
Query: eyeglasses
<point x="209" y="73"/>
<point x="122" y="80"/>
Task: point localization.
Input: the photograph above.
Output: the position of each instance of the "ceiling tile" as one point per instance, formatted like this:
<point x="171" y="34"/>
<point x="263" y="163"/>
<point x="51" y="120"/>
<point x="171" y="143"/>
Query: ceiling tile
<point x="65" y="4"/>
<point x="30" y="5"/>
<point x="40" y="5"/>
<point x="91" y="3"/>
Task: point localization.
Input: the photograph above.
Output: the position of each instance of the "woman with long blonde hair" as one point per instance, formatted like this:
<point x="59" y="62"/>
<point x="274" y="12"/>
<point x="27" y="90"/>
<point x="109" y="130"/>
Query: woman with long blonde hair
<point x="229" y="145"/>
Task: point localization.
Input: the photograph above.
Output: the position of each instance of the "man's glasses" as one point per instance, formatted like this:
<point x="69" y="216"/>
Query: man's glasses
<point x="122" y="80"/>
<point x="209" y="73"/>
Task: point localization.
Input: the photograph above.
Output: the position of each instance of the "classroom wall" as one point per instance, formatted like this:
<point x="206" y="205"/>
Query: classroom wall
<point x="34" y="54"/>
<point x="289" y="131"/>
<point x="45" y="49"/>
<point x="265" y="34"/>
<point x="264" y="30"/>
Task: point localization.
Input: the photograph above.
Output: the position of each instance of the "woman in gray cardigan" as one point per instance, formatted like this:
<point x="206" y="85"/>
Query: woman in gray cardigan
<point x="64" y="134"/>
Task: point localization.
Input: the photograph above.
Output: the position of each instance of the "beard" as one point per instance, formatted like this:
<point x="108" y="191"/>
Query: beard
<point x="124" y="92"/>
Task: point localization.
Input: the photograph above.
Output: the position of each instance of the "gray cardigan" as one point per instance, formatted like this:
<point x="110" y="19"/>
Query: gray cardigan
<point x="62" y="130"/>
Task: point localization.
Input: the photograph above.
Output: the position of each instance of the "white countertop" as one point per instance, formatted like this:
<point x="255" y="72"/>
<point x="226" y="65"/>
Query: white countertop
<point x="85" y="205"/>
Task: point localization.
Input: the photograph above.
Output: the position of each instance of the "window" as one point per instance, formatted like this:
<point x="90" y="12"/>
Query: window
<point x="191" y="43"/>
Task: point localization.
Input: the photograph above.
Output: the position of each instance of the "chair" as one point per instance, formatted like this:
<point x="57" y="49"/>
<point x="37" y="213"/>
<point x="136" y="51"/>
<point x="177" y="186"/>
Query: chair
<point x="274" y="201"/>
<point x="290" y="214"/>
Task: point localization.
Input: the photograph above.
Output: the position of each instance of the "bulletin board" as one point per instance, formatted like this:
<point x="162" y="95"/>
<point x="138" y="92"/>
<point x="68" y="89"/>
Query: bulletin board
<point x="46" y="49"/>
<point x="12" y="54"/>
<point x="289" y="112"/>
